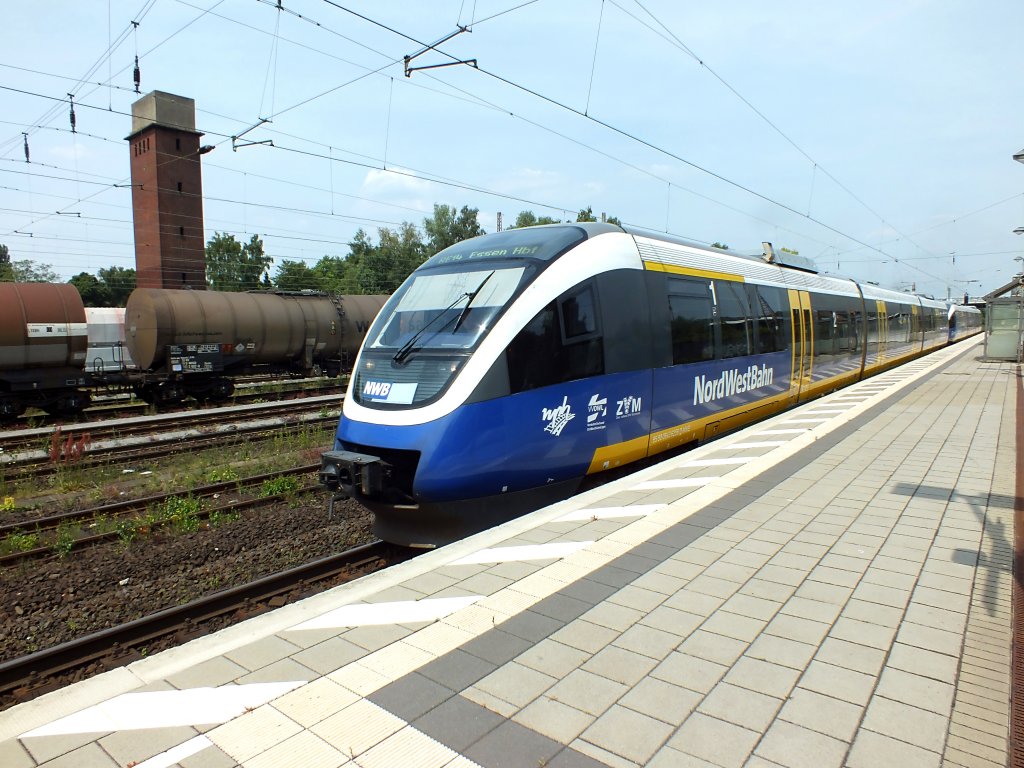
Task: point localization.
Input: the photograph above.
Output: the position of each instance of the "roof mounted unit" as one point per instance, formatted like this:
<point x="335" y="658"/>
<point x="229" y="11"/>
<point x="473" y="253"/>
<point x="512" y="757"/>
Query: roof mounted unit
<point x="786" y="259"/>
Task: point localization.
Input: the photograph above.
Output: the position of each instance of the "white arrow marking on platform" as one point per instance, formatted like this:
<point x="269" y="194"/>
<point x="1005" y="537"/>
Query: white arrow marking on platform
<point x="166" y="709"/>
<point x="554" y="550"/>
<point x="398" y="612"/>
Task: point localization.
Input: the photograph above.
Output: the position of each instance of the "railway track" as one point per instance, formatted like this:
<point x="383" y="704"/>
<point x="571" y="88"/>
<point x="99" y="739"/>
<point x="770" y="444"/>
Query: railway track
<point x="47" y="451"/>
<point x="30" y="676"/>
<point x="65" y="532"/>
<point x="126" y="406"/>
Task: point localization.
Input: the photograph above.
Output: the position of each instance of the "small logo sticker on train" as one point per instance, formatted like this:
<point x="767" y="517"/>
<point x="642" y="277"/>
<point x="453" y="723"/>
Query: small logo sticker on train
<point x="597" y="410"/>
<point x="557" y="418"/>
<point x="386" y="392"/>
<point x="628" y="406"/>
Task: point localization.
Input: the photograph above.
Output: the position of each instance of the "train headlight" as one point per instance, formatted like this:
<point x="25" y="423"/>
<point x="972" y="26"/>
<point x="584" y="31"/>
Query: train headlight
<point x="329" y="474"/>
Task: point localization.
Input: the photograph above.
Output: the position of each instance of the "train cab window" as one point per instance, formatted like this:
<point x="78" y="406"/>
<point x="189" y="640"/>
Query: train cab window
<point x="692" y="316"/>
<point x="734" y="319"/>
<point x="768" y="304"/>
<point x="561" y="343"/>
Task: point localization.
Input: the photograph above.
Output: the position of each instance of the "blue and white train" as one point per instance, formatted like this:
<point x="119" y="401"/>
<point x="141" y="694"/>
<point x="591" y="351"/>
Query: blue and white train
<point x="509" y="367"/>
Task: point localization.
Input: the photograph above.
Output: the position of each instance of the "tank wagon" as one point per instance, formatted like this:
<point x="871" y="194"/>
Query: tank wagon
<point x="166" y="345"/>
<point x="194" y="341"/>
<point x="43" y="343"/>
<point x="509" y="367"/>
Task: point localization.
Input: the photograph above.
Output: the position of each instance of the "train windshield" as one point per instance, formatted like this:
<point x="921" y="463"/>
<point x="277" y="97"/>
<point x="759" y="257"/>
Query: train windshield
<point x="448" y="310"/>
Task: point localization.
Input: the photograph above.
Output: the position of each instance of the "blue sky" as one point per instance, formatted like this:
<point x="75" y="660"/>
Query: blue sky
<point x="876" y="137"/>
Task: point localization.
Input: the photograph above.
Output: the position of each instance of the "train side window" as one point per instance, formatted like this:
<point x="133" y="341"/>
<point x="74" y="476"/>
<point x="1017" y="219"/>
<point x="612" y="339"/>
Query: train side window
<point x="582" y="351"/>
<point x="533" y="352"/>
<point x="579" y="314"/>
<point x="561" y="343"/>
<point x="692" y="317"/>
<point x="734" y="319"/>
<point x="768" y="304"/>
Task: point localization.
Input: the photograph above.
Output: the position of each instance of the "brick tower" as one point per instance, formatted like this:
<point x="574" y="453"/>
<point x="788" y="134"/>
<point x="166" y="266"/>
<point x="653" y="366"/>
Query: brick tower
<point x="167" y="193"/>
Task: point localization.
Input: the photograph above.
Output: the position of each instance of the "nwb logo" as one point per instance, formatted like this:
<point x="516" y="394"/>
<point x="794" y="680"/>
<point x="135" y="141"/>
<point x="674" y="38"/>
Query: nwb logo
<point x="376" y="388"/>
<point x="557" y="418"/>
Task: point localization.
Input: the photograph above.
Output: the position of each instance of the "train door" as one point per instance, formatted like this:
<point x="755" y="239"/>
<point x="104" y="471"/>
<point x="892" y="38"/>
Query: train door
<point x="803" y="342"/>
<point x="883" y="331"/>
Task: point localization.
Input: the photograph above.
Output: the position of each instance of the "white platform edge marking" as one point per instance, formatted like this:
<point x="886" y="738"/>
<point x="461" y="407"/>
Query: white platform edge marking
<point x="554" y="550"/>
<point x="602" y="513"/>
<point x="398" y="612"/>
<point x="719" y="462"/>
<point x="166" y="709"/>
<point x="681" y="482"/>
<point x="763" y="444"/>
<point x="174" y="755"/>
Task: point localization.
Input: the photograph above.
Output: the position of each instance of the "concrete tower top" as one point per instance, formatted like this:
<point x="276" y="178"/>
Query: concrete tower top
<point x="164" y="109"/>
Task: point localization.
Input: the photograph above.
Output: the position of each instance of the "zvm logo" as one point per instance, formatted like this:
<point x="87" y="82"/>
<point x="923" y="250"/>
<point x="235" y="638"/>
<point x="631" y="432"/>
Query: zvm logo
<point x="628" y="406"/>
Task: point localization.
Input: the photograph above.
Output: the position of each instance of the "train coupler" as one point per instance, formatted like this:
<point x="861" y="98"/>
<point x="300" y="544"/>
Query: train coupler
<point x="349" y="474"/>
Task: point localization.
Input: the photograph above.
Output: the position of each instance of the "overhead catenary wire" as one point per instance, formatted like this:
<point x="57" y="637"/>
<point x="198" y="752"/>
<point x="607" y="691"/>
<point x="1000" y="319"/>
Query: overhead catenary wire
<point x="387" y="159"/>
<point x="644" y="142"/>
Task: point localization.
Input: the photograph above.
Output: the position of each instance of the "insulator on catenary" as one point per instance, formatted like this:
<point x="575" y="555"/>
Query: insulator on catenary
<point x="25" y="135"/>
<point x="138" y="75"/>
<point x="71" y="96"/>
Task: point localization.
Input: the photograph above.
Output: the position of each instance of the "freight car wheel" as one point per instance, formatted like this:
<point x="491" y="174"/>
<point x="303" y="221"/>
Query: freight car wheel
<point x="169" y="393"/>
<point x="147" y="393"/>
<point x="10" y="409"/>
<point x="221" y="390"/>
<point x="69" y="404"/>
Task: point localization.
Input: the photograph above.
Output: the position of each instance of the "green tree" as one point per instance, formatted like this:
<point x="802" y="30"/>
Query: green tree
<point x="446" y="227"/>
<point x="529" y="219"/>
<point x="26" y="271"/>
<point x="588" y="215"/>
<point x="383" y="268"/>
<point x="722" y="246"/>
<point x="297" y="276"/>
<point x="119" y="281"/>
<point x="6" y="270"/>
<point x="232" y="266"/>
<point x="94" y="292"/>
<point x="337" y="274"/>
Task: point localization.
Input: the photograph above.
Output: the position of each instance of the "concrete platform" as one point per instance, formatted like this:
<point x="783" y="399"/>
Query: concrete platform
<point x="827" y="588"/>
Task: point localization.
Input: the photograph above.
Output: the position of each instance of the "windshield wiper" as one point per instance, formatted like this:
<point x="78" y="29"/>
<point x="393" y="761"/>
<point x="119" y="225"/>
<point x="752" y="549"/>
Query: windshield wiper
<point x="409" y="347"/>
<point x="472" y="297"/>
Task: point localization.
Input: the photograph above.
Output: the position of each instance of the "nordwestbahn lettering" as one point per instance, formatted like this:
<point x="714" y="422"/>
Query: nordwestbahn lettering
<point x="730" y="383"/>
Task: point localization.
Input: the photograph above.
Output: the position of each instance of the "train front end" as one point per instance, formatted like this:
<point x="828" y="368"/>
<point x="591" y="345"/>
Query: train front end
<point x="432" y="439"/>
